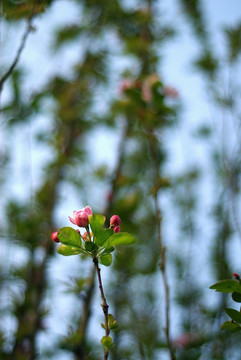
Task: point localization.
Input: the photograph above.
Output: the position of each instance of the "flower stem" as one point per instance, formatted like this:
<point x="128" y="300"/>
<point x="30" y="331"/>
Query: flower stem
<point x="104" y="304"/>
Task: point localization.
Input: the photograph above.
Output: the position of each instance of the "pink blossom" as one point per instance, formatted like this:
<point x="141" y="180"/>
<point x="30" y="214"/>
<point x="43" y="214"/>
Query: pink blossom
<point x="80" y="218"/>
<point x="115" y="220"/>
<point x="54" y="237"/>
<point x="126" y="84"/>
<point x="146" y="92"/>
<point x="88" y="210"/>
<point x="116" y="229"/>
<point x="187" y="340"/>
<point x="147" y="87"/>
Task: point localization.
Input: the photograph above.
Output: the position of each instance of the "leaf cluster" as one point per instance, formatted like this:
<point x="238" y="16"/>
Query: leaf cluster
<point x="233" y="287"/>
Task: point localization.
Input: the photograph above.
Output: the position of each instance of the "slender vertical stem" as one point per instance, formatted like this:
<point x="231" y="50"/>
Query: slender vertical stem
<point x="119" y="165"/>
<point x="81" y="352"/>
<point x="104" y="305"/>
<point x="153" y="144"/>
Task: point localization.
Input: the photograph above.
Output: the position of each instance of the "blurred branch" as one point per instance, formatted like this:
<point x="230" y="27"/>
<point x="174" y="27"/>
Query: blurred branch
<point x="81" y="352"/>
<point x="152" y="144"/>
<point x="18" y="54"/>
<point x="194" y="13"/>
<point x="118" y="169"/>
<point x="36" y="281"/>
<point x="86" y="307"/>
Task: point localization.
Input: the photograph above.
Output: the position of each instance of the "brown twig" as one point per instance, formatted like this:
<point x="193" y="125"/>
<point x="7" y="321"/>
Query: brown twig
<point x="104" y="305"/>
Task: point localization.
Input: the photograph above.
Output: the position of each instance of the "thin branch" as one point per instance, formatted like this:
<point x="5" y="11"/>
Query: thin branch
<point x="117" y="172"/>
<point x="18" y="54"/>
<point x="153" y="150"/>
<point x="81" y="352"/>
<point x="104" y="305"/>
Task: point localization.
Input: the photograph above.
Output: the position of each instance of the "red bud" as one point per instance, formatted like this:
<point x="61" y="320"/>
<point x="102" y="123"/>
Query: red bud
<point x="236" y="276"/>
<point x="115" y="221"/>
<point x="116" y="229"/>
<point x="54" y="237"/>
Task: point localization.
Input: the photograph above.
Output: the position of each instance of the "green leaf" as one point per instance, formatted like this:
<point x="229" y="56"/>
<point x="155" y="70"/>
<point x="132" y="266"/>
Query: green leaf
<point x="228" y="325"/>
<point x="121" y="238"/>
<point x="227" y="286"/>
<point x="236" y="297"/>
<point x="112" y="323"/>
<point x="234" y="314"/>
<point x="69" y="236"/>
<point x="108" y="250"/>
<point x="102" y="235"/>
<point x="69" y="250"/>
<point x="236" y="329"/>
<point x="106" y="259"/>
<point x="106" y="341"/>
<point x="91" y="246"/>
<point x="96" y="222"/>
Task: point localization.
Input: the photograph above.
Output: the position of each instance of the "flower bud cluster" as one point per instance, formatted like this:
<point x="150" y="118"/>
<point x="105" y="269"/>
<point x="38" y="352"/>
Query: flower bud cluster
<point x="81" y="219"/>
<point x="115" y="222"/>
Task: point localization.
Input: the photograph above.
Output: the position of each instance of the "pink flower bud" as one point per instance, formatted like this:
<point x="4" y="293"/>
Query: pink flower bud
<point x="85" y="236"/>
<point x="87" y="210"/>
<point x="116" y="229"/>
<point x="80" y="218"/>
<point x="54" y="237"/>
<point x="115" y="221"/>
<point x="236" y="276"/>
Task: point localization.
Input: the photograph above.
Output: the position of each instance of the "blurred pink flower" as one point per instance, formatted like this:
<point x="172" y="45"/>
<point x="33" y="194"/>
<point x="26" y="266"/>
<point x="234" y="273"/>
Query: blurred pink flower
<point x="147" y="87"/>
<point x="126" y="84"/>
<point x="186" y="340"/>
<point x="170" y="91"/>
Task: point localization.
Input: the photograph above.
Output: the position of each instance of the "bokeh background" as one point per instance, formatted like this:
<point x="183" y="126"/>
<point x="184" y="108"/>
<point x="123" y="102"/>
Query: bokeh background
<point x="133" y="108"/>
